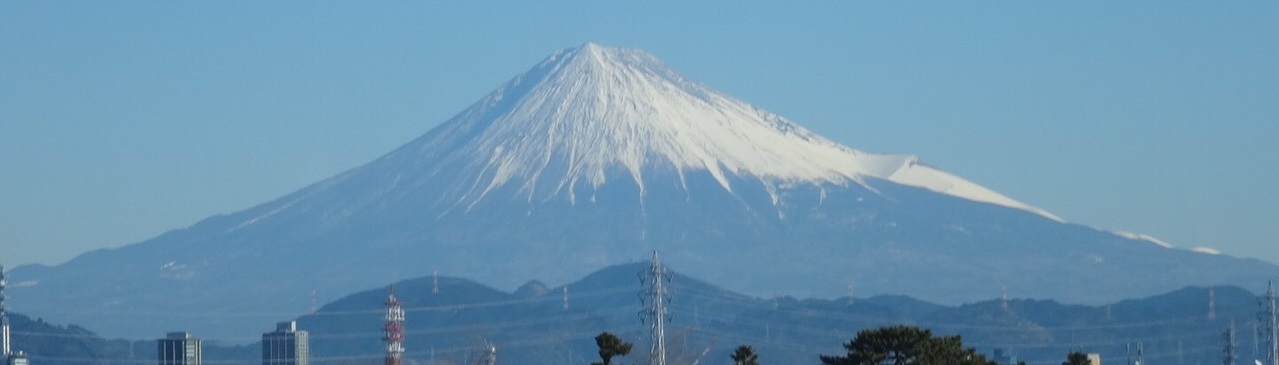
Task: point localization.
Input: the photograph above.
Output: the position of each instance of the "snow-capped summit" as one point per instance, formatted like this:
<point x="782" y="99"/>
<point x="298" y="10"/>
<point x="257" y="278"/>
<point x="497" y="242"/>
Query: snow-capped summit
<point x="586" y="111"/>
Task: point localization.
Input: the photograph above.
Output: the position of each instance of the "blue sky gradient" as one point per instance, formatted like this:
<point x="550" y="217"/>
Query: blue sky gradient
<point x="122" y="120"/>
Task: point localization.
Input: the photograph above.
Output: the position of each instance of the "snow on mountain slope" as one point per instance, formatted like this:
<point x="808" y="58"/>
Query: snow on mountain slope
<point x="1144" y="237"/>
<point x="586" y="111"/>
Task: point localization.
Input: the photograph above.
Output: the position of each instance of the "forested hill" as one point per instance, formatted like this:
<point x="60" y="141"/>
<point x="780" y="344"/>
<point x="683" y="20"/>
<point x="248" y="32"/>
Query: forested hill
<point x="451" y="320"/>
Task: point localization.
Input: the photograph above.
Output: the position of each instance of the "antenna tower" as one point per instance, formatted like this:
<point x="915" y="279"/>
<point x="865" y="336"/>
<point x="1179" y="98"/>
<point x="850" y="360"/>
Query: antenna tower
<point x="654" y="298"/>
<point x="566" y="297"/>
<point x="394" y="333"/>
<point x="4" y="321"/>
<point x="435" y="281"/>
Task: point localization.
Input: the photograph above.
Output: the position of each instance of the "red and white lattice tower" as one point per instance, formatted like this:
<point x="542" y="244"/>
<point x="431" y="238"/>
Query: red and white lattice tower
<point x="394" y="333"/>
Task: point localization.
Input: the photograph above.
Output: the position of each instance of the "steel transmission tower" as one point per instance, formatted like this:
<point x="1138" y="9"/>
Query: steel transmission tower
<point x="1003" y="301"/>
<point x="1212" y="305"/>
<point x="1270" y="324"/>
<point x="1230" y="352"/>
<point x="1141" y="354"/>
<point x="655" y="297"/>
<point x="394" y="331"/>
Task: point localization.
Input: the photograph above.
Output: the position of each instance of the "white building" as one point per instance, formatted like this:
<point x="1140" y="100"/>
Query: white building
<point x="286" y="346"/>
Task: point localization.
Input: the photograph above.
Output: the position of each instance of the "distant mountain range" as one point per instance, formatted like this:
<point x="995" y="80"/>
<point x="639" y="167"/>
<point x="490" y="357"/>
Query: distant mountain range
<point x="598" y="156"/>
<point x="451" y="320"/>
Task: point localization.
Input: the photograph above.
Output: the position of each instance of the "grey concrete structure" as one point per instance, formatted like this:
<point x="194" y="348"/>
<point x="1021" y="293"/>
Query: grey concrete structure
<point x="286" y="345"/>
<point x="179" y="348"/>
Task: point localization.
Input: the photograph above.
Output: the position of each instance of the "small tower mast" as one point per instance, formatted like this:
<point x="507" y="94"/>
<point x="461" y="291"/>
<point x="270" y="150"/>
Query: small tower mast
<point x="394" y="331"/>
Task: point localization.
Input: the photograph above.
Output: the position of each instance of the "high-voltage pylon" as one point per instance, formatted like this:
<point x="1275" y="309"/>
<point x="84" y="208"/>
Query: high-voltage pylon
<point x="655" y="297"/>
<point x="1003" y="299"/>
<point x="4" y="321"/>
<point x="1230" y="350"/>
<point x="1212" y="305"/>
<point x="1269" y="318"/>
<point x="394" y="331"/>
<point x="1141" y="354"/>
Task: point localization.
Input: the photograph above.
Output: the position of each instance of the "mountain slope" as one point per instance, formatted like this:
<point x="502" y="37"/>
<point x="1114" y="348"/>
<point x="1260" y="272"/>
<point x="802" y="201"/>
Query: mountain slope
<point x="598" y="156"/>
<point x="451" y="320"/>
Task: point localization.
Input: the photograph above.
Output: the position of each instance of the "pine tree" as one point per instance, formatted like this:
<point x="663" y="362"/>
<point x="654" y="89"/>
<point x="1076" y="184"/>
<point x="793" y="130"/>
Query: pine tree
<point x="905" y="345"/>
<point x="610" y="345"/>
<point x="745" y="355"/>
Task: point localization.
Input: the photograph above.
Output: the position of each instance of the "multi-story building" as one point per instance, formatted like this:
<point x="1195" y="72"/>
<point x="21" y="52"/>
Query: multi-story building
<point x="7" y="355"/>
<point x="179" y="348"/>
<point x="286" y="345"/>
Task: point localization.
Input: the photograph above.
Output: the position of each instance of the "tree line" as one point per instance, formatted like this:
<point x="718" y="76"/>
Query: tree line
<point x="890" y="345"/>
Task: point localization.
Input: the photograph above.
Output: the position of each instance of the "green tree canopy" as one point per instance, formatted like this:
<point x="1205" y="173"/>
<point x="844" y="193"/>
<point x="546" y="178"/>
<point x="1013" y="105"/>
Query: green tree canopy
<point x="1076" y="358"/>
<point x="745" y="355"/>
<point x="905" y="345"/>
<point x="610" y="345"/>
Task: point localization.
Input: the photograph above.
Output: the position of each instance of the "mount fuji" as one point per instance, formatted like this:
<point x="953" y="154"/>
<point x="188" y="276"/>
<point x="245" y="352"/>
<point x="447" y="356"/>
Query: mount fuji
<point x="598" y="156"/>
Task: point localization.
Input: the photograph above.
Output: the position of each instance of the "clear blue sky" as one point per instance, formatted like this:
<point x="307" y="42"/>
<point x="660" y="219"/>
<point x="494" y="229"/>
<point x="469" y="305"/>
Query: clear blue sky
<point x="122" y="120"/>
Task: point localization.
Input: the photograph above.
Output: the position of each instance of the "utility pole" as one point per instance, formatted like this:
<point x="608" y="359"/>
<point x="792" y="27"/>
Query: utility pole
<point x="655" y="297"/>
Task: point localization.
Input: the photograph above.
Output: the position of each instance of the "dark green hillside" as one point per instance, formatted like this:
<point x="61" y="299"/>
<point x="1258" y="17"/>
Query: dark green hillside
<point x="532" y="326"/>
